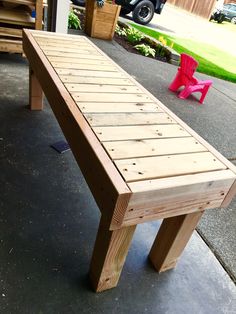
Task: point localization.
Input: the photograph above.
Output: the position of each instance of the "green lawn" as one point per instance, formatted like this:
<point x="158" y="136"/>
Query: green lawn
<point x="212" y="61"/>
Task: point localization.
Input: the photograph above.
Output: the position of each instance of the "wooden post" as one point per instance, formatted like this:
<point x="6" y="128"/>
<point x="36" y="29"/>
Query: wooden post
<point x="35" y="92"/>
<point x="110" y="250"/>
<point x="39" y="15"/>
<point x="171" y="240"/>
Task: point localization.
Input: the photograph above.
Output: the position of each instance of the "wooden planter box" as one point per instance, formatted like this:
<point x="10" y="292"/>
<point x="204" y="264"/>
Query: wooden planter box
<point x="101" y="22"/>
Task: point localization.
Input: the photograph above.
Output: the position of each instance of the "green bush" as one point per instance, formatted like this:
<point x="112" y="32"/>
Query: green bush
<point x="133" y="35"/>
<point x="73" y="21"/>
<point x="145" y="50"/>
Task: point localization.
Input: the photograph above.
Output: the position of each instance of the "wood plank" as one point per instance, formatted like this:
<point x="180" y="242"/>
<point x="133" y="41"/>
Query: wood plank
<point x="76" y="89"/>
<point x="167" y="166"/>
<point x="76" y="58"/>
<point x="171" y="240"/>
<point x="58" y="36"/>
<point x="169" y="112"/>
<point x="138" y="133"/>
<point x="84" y="65"/>
<point x="16" y="16"/>
<point x="21" y="2"/>
<point x="109" y="254"/>
<point x="168" y="197"/>
<point x="155" y="147"/>
<point x="77" y="54"/>
<point x="9" y="45"/>
<point x="68" y="49"/>
<point x="35" y="92"/>
<point x="89" y="73"/>
<point x="10" y="32"/>
<point x="111" y="97"/>
<point x="118" y="107"/>
<point x="95" y="80"/>
<point x="228" y="198"/>
<point x="128" y="118"/>
<point x="94" y="159"/>
<point x="75" y="69"/>
<point x="39" y="15"/>
<point x="54" y="41"/>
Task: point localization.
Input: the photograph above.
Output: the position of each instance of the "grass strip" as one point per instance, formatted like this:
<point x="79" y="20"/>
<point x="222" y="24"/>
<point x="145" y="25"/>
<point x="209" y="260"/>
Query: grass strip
<point x="196" y="50"/>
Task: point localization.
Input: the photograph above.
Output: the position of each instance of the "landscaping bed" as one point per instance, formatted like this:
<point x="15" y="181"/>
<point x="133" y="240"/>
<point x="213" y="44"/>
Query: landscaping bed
<point x="136" y="42"/>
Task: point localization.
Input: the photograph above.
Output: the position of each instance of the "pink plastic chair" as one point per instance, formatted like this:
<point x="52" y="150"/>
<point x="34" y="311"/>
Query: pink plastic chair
<point x="184" y="77"/>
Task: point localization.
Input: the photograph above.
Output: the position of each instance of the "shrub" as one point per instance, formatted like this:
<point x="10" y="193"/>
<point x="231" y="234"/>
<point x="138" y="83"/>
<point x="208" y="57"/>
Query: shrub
<point x="120" y="31"/>
<point x="145" y="50"/>
<point x="73" y="21"/>
<point x="133" y="35"/>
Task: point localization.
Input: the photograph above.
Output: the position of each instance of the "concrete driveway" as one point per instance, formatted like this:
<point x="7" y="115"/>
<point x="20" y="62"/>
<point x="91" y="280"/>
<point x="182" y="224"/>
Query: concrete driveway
<point x="183" y="24"/>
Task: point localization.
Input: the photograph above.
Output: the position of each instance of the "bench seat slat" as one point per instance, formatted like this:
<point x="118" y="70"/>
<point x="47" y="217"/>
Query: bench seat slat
<point x="69" y="79"/>
<point x="153" y="147"/>
<point x="138" y="169"/>
<point x="111" y="119"/>
<point x="109" y="107"/>
<point x="138" y="133"/>
<point x="76" y="89"/>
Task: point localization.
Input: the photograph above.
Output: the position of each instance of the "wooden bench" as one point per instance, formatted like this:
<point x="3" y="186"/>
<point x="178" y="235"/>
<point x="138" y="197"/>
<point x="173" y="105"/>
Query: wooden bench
<point x="140" y="161"/>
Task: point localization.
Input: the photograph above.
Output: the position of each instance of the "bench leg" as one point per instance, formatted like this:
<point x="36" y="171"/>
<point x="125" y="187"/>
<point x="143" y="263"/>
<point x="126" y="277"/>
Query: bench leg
<point x="171" y="240"/>
<point x="110" y="250"/>
<point x="35" y="92"/>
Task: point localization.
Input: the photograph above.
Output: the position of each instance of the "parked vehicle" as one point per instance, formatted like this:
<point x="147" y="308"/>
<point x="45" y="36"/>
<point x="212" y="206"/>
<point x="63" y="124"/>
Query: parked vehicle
<point x="229" y="11"/>
<point x="142" y="10"/>
<point x="217" y="15"/>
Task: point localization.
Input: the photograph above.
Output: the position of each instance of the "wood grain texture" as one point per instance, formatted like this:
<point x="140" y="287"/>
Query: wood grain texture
<point x="138" y="133"/>
<point x="78" y="89"/>
<point x="112" y="107"/>
<point x="152" y="147"/>
<point x="9" y="45"/>
<point x="17" y="17"/>
<point x="171" y="240"/>
<point x="110" y="250"/>
<point x="167" y="166"/>
<point x="10" y="32"/>
<point x="83" y="79"/>
<point x="107" y="185"/>
<point x="35" y="92"/>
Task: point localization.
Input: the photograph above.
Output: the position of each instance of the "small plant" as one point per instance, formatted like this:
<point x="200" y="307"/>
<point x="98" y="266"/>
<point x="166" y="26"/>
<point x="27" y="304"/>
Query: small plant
<point x="146" y="50"/>
<point x="133" y="35"/>
<point x="120" y="31"/>
<point x="73" y="21"/>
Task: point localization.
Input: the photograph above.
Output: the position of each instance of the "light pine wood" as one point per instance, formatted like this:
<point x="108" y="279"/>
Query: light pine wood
<point x="138" y="133"/>
<point x="119" y="119"/>
<point x="167" y="166"/>
<point x="95" y="80"/>
<point x="67" y="54"/>
<point x="101" y="22"/>
<point x="76" y="89"/>
<point x="171" y="240"/>
<point x="10" y="32"/>
<point x="39" y="14"/>
<point x="89" y="73"/>
<point x="124" y="107"/>
<point x="109" y="97"/>
<point x="35" y="92"/>
<point x="78" y="60"/>
<point x="110" y="250"/>
<point x="74" y="58"/>
<point x="152" y="147"/>
<point x="141" y="161"/>
<point x="9" y="45"/>
<point x="16" y="16"/>
<point x="68" y="49"/>
<point x="83" y="66"/>
<point x="110" y="187"/>
<point x="229" y="196"/>
<point x="21" y="2"/>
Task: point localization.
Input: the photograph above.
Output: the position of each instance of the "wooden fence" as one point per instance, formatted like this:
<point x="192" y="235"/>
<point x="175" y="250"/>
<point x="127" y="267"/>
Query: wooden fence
<point x="198" y="7"/>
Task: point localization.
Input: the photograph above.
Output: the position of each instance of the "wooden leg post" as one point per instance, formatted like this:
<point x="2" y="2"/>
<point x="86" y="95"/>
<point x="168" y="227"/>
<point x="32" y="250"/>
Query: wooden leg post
<point x="35" y="92"/>
<point x="171" y="240"/>
<point x="109" y="255"/>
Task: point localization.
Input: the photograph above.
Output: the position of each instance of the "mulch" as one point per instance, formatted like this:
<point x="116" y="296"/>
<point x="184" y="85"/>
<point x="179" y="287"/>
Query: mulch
<point x="123" y="42"/>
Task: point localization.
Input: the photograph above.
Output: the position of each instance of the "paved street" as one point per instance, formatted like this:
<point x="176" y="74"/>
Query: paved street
<point x="181" y="23"/>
